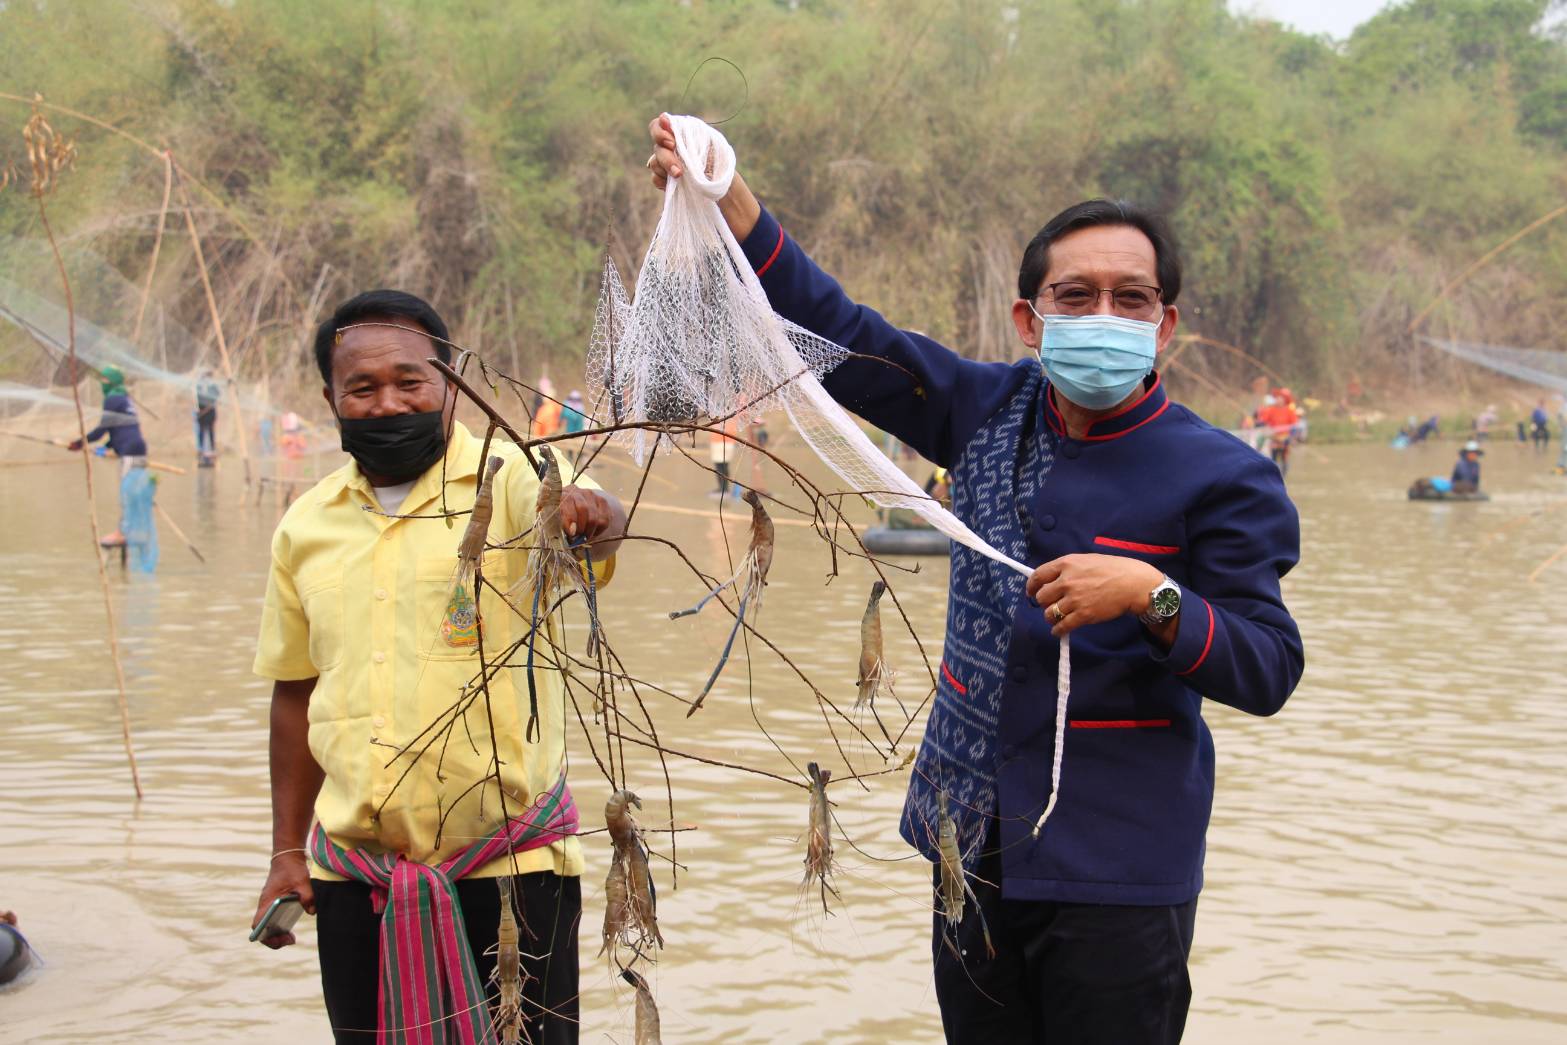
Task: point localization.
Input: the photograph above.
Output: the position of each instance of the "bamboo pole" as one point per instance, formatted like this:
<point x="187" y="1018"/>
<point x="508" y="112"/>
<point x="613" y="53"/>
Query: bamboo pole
<point x="41" y="141"/>
<point x="157" y="243"/>
<point x="217" y="329"/>
<point x="157" y="466"/>
<point x="1542" y="567"/>
<point x="1483" y="260"/>
<point x="180" y="533"/>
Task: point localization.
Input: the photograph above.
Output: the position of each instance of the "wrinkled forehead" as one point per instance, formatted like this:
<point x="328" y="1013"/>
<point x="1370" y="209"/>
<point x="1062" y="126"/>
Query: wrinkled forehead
<point x="381" y="345"/>
<point x="1104" y="255"/>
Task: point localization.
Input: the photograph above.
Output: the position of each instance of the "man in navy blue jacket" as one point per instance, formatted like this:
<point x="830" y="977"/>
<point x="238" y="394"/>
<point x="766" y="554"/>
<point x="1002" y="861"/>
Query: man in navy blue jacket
<point x="1160" y="542"/>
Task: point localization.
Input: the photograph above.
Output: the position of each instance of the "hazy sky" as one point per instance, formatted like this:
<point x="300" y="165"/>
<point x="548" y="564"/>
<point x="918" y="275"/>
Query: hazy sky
<point x="1334" y="17"/>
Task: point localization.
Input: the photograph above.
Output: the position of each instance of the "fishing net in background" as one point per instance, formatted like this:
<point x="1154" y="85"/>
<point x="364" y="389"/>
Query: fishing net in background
<point x="1537" y="366"/>
<point x="699" y="342"/>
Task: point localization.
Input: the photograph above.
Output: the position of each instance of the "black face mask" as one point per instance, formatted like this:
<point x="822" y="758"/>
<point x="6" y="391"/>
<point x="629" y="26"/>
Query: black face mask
<point x="399" y="447"/>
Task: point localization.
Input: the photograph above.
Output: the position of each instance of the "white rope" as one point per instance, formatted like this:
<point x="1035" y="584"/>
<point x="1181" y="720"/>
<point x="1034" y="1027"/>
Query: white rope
<point x="1063" y="691"/>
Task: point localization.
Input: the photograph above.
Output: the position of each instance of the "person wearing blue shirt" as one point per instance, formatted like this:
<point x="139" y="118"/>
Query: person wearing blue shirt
<point x="119" y="423"/>
<point x="1159" y="542"/>
<point x="1466" y="470"/>
<point x="1540" y="426"/>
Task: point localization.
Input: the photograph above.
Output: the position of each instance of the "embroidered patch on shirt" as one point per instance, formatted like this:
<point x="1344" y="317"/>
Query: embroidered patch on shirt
<point x="461" y="626"/>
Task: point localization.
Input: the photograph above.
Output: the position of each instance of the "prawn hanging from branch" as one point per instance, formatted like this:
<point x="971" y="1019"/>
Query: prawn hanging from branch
<point x="874" y="672"/>
<point x="631" y="902"/>
<point x="552" y="571"/>
<point x="508" y="971"/>
<point x="460" y="624"/>
<point x="818" y="841"/>
<point x="954" y="887"/>
<point x="748" y="581"/>
<point x="647" y="1032"/>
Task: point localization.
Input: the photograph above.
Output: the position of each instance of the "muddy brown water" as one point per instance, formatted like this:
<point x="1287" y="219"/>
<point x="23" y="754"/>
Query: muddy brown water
<point x="1387" y="860"/>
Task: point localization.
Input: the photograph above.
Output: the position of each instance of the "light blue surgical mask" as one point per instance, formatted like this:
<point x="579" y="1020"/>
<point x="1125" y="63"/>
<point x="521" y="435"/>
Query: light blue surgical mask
<point x="1096" y="361"/>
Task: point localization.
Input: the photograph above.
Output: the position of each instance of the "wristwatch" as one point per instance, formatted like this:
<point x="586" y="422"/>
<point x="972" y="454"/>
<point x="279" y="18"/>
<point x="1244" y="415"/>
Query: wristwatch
<point x="1164" y="602"/>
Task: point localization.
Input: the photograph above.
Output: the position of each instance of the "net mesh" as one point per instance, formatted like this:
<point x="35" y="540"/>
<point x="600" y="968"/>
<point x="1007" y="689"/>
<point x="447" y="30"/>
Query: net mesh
<point x="1537" y="366"/>
<point x="699" y="342"/>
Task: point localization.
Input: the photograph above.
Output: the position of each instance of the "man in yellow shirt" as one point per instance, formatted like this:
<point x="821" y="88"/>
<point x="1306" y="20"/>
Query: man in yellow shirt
<point x="379" y="730"/>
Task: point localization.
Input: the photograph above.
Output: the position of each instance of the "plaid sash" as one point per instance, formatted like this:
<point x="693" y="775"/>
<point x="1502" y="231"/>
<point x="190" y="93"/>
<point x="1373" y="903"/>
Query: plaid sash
<point x="430" y="992"/>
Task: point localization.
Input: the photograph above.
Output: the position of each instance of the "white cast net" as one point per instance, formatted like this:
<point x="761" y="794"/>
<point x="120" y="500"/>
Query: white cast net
<point x="699" y="342"/>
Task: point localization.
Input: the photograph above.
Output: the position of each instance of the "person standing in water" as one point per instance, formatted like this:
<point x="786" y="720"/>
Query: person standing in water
<point x="367" y="645"/>
<point x="1540" y="426"/>
<point x="208" y="392"/>
<point x="1158" y="543"/>
<point x="120" y="424"/>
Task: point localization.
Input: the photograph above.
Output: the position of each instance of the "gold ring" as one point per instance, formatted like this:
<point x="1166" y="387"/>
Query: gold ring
<point x="1055" y="614"/>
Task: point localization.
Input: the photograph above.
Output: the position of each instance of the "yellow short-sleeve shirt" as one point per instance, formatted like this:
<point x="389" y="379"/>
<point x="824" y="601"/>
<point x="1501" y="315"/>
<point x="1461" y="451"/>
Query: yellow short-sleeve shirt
<point x="356" y="600"/>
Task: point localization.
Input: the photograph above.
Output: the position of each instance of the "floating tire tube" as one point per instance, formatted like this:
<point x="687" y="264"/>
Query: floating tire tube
<point x="15" y="955"/>
<point x="882" y="540"/>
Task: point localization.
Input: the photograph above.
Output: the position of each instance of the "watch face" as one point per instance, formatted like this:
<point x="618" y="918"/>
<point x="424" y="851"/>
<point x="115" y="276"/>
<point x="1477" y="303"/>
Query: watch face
<point x="1167" y="602"/>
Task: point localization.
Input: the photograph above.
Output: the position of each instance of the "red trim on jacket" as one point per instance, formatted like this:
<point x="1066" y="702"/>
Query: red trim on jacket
<point x="777" y="249"/>
<point x="1133" y="546"/>
<point x="1206" y="646"/>
<point x="1119" y="723"/>
<point x="1057" y="422"/>
<point x="1116" y="435"/>
<point x="946" y="673"/>
<point x="1133" y="405"/>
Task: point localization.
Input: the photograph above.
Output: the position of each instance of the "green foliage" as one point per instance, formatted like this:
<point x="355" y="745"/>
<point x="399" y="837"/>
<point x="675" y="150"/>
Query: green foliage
<point x="486" y="153"/>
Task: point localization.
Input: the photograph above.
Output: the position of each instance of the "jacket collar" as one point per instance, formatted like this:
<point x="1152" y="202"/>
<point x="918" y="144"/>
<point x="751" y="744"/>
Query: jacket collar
<point x="462" y="462"/>
<point x="1128" y="418"/>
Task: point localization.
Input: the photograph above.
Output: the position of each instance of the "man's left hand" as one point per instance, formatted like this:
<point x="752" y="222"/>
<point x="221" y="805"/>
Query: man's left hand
<point x="1075" y="590"/>
<point x="594" y="515"/>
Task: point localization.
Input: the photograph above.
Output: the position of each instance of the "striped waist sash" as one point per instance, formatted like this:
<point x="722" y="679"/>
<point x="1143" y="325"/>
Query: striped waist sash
<point x="430" y="992"/>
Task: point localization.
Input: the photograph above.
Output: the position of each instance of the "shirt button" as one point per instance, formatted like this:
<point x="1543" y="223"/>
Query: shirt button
<point x="380" y="593"/>
<point x="388" y="534"/>
<point x="378" y="657"/>
<point x="1071" y="450"/>
<point x="379" y="722"/>
<point x="1047" y="522"/>
<point x="1019" y="674"/>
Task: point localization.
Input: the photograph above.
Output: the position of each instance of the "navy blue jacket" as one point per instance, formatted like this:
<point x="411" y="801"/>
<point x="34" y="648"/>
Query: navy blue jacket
<point x="1154" y="482"/>
<point x="1466" y="471"/>
<point x="120" y="425"/>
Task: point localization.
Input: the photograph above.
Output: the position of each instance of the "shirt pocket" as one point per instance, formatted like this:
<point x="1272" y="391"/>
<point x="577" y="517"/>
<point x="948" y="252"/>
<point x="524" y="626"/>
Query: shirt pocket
<point x="321" y="595"/>
<point x="446" y="617"/>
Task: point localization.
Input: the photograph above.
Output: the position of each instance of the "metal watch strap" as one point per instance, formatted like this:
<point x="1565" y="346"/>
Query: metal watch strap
<point x="1151" y="617"/>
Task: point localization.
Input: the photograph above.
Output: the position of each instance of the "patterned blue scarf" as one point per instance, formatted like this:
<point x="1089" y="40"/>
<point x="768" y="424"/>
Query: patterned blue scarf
<point x="994" y="482"/>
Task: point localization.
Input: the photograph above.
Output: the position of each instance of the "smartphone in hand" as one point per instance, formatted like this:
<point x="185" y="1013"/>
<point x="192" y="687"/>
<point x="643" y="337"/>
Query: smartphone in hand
<point x="279" y="919"/>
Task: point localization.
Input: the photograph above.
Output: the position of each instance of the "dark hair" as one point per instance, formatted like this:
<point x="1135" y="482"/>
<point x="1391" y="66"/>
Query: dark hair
<point x="375" y="304"/>
<point x="1092" y="213"/>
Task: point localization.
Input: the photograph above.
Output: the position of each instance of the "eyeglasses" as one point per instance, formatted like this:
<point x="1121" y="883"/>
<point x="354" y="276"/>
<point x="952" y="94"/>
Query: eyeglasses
<point x="1132" y="300"/>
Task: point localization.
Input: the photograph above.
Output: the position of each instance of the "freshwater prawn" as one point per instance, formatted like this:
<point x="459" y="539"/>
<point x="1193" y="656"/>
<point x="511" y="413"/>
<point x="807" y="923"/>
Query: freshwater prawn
<point x="874" y="672"/>
<point x="460" y="625"/>
<point x="551" y="569"/>
<point x="647" y="1032"/>
<point x="748" y="580"/>
<point x="631" y="907"/>
<point x="508" y="972"/>
<point x="954" y="885"/>
<point x="818" y="842"/>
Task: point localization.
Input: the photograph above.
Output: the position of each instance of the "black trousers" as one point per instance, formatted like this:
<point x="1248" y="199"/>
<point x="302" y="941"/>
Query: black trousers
<point x="548" y="908"/>
<point x="1063" y="974"/>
